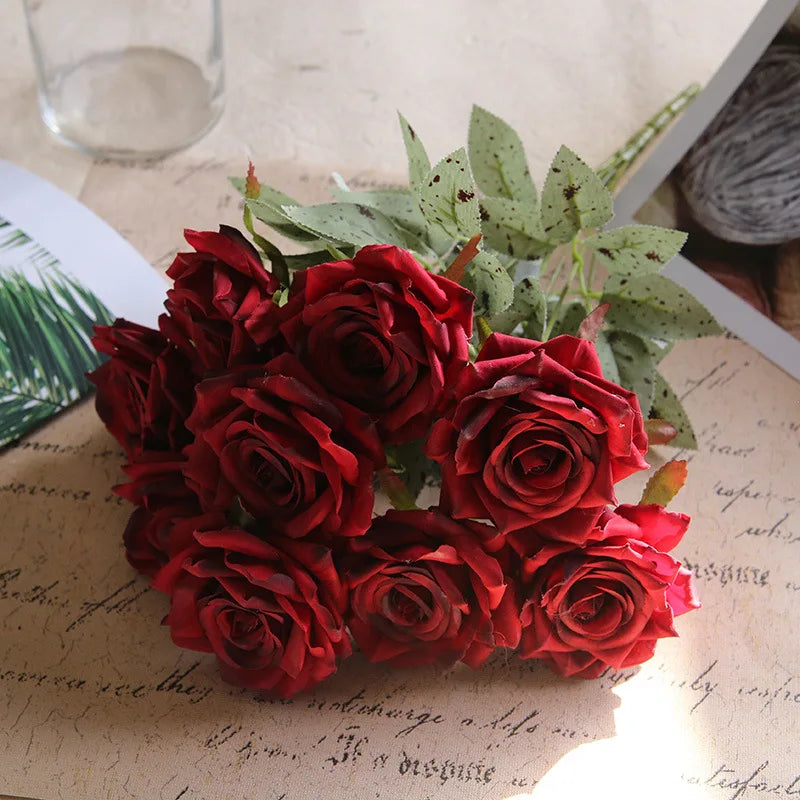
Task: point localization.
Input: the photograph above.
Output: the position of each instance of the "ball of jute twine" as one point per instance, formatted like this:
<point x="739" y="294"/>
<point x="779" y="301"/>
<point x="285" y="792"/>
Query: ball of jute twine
<point x="741" y="179"/>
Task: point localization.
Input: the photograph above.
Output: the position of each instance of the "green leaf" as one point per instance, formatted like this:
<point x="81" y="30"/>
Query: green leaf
<point x="569" y="318"/>
<point x="666" y="405"/>
<point x="490" y="283"/>
<point x="348" y="223"/>
<point x="659" y="348"/>
<point x="607" y="360"/>
<point x="412" y="466"/>
<point x="636" y="367"/>
<point x="528" y="306"/>
<point x="513" y="227"/>
<point x="305" y="260"/>
<point x="497" y="158"/>
<point x="399" y="206"/>
<point x="653" y="306"/>
<point x="664" y="484"/>
<point x="573" y="198"/>
<point x="267" y="207"/>
<point x="45" y="347"/>
<point x="419" y="164"/>
<point x="635" y="249"/>
<point x="447" y="196"/>
<point x="276" y="218"/>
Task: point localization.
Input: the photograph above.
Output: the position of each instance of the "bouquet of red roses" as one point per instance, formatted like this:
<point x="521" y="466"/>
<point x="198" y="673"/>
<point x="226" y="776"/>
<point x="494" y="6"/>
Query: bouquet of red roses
<point x="270" y="406"/>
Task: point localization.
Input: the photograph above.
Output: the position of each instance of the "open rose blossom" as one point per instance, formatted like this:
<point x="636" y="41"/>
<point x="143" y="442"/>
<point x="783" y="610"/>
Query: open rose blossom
<point x="215" y="292"/>
<point x="292" y="455"/>
<point x="537" y="437"/>
<point x="144" y="390"/>
<point x="425" y="590"/>
<point x="381" y="332"/>
<point x="270" y="612"/>
<point x="605" y="604"/>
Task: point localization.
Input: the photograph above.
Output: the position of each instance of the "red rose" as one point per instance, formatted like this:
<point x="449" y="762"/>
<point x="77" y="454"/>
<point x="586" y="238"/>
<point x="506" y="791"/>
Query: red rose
<point x="144" y="390"/>
<point x="423" y="589"/>
<point x="606" y="603"/>
<point x="382" y="333"/>
<point x="156" y="480"/>
<point x="537" y="438"/>
<point x="216" y="291"/>
<point x="150" y="535"/>
<point x="158" y="488"/>
<point x="293" y="455"/>
<point x="270" y="612"/>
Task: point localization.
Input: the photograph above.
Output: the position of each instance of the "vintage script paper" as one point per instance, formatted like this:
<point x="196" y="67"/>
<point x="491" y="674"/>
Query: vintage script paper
<point x="96" y="702"/>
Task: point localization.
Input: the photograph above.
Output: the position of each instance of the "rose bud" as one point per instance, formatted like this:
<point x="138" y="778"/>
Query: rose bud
<point x="606" y="603"/>
<point x="383" y="333"/>
<point x="424" y="590"/>
<point x="537" y="438"/>
<point x="144" y="390"/>
<point x="270" y="612"/>
<point x="217" y="289"/>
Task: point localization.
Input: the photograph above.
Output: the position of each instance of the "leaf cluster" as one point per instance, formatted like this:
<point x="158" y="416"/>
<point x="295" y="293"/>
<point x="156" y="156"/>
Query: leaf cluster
<point x="544" y="261"/>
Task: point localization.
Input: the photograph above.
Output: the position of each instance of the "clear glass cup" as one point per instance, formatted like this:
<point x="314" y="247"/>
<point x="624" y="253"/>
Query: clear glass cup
<point x="128" y="79"/>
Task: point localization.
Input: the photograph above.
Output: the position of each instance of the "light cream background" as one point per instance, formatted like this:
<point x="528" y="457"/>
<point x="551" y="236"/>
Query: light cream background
<point x="96" y="702"/>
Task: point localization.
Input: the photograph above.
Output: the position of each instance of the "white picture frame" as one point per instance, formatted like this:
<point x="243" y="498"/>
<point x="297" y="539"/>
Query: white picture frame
<point x="735" y="314"/>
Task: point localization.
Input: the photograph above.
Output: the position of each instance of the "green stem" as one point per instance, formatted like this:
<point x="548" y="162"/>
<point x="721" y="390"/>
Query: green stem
<point x="612" y="170"/>
<point x="556" y="273"/>
<point x="335" y="252"/>
<point x="276" y="259"/>
<point x="554" y="316"/>
<point x="577" y="259"/>
<point x="592" y="265"/>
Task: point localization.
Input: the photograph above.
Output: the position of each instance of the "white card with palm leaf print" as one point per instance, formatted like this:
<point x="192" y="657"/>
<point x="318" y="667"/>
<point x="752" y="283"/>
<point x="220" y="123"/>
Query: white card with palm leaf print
<point x="62" y="270"/>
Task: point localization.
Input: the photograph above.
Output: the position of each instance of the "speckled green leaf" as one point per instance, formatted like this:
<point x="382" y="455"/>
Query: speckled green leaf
<point x="490" y="283"/>
<point x="569" y="318"/>
<point x="498" y="158"/>
<point x="447" y="196"/>
<point x="573" y="198"/>
<point x="655" y="306"/>
<point x="398" y="205"/>
<point x="606" y="356"/>
<point x="267" y="208"/>
<point x="513" y="227"/>
<point x="636" y="367"/>
<point x="348" y="223"/>
<point x="305" y="260"/>
<point x="659" y="348"/>
<point x="667" y="406"/>
<point x="419" y="164"/>
<point x="635" y="249"/>
<point x="528" y="306"/>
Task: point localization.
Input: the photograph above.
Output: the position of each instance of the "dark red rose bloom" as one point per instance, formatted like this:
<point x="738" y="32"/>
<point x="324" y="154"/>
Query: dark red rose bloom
<point x="537" y="437"/>
<point x="216" y="290"/>
<point x="156" y="479"/>
<point x="144" y="390"/>
<point x="158" y="489"/>
<point x="380" y="332"/>
<point x="270" y="612"/>
<point x="605" y="604"/>
<point x="424" y="589"/>
<point x="293" y="455"/>
<point x="152" y="537"/>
